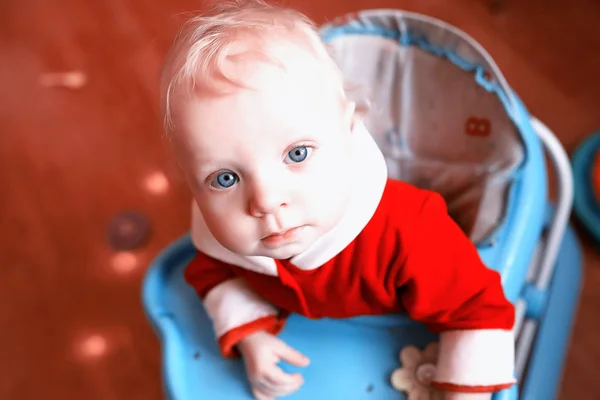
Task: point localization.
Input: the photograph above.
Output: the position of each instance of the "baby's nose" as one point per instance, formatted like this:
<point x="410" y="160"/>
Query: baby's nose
<point x="265" y="202"/>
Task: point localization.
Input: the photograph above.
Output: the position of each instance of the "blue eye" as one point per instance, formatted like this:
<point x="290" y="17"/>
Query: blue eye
<point x="298" y="154"/>
<point x="225" y="180"/>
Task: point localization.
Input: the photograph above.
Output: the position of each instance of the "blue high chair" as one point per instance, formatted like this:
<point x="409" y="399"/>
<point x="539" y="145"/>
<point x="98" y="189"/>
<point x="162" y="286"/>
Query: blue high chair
<point x="445" y="119"/>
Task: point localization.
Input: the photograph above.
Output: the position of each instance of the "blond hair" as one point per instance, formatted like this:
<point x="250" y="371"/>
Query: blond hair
<point x="203" y="43"/>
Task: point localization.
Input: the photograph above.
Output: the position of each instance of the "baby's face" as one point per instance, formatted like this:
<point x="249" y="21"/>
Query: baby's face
<point x="270" y="167"/>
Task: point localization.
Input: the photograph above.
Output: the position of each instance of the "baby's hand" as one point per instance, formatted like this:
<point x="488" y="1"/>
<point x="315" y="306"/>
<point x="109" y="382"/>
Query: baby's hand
<point x="261" y="352"/>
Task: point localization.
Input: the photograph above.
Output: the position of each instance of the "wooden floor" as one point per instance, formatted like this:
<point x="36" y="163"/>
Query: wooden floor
<point x="71" y="321"/>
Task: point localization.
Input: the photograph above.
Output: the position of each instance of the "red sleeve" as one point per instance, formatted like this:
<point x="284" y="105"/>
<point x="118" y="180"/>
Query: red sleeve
<point x="203" y="273"/>
<point x="443" y="283"/>
<point x="234" y="308"/>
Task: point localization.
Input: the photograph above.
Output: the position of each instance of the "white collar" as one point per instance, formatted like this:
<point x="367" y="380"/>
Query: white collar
<point x="370" y="184"/>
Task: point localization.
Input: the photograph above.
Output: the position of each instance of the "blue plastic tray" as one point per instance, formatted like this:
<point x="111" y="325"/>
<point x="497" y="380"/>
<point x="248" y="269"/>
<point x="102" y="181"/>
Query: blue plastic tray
<point x="352" y="358"/>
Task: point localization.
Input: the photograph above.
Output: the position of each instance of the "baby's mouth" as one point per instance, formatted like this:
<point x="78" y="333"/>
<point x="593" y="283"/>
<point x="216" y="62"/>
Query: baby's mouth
<point x="282" y="236"/>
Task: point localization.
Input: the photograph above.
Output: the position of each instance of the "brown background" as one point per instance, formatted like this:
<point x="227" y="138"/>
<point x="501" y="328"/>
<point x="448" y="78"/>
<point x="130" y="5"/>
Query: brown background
<point x="71" y="159"/>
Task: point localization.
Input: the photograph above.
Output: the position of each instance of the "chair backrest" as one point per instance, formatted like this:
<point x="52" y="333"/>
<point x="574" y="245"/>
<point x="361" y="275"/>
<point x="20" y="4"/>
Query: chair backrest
<point x="435" y="109"/>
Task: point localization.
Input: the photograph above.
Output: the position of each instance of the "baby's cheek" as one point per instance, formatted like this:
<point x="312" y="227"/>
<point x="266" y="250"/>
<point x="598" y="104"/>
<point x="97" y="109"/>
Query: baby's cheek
<point x="220" y="219"/>
<point x="229" y="230"/>
<point x="329" y="190"/>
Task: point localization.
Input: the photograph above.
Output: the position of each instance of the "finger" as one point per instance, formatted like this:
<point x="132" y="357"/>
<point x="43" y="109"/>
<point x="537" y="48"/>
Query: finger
<point x="274" y="390"/>
<point x="259" y="394"/>
<point x="278" y="377"/>
<point x="276" y="382"/>
<point x="292" y="356"/>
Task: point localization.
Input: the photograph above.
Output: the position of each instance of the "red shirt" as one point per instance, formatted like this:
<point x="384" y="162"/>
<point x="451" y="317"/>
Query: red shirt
<point x="411" y="257"/>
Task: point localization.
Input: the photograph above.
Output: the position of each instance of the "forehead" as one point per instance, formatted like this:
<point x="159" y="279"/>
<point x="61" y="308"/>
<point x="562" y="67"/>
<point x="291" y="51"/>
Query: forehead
<point x="279" y="102"/>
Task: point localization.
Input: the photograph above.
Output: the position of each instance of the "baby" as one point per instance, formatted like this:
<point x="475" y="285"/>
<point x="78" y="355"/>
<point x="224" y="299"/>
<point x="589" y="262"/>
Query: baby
<point x="296" y="213"/>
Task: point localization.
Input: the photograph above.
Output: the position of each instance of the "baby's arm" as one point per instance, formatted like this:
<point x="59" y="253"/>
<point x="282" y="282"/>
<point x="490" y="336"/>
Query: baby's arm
<point x="444" y="284"/>
<point x="234" y="308"/>
<point x="244" y="321"/>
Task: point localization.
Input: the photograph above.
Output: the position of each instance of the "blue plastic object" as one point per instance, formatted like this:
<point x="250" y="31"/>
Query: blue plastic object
<point x="585" y="205"/>
<point x="352" y="358"/>
<point x="543" y="375"/>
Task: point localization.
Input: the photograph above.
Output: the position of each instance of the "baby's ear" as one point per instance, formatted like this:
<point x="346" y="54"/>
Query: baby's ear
<point x="350" y="114"/>
<point x="362" y="109"/>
